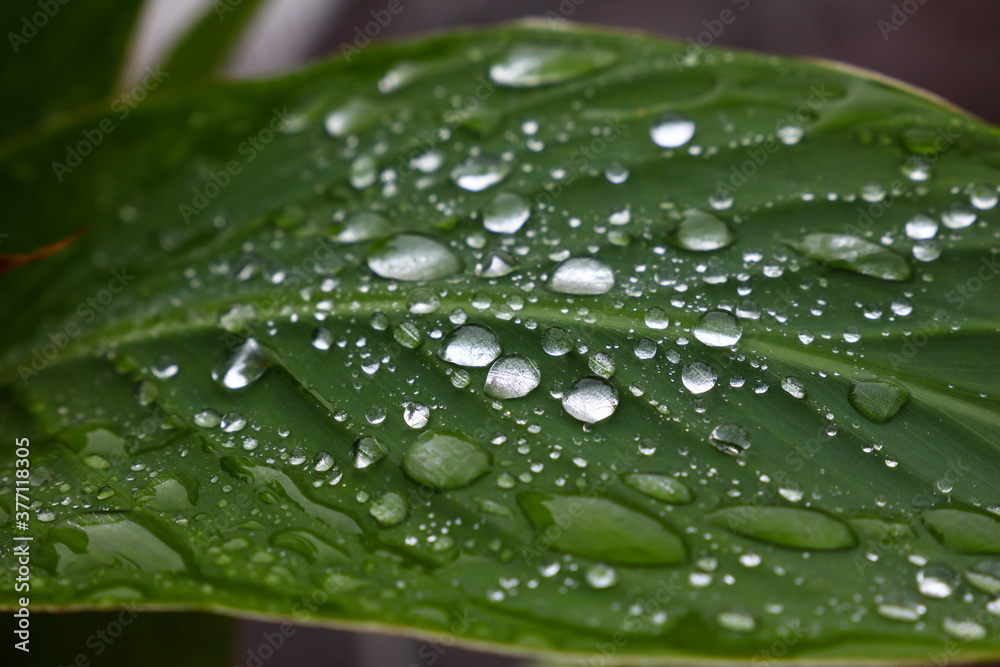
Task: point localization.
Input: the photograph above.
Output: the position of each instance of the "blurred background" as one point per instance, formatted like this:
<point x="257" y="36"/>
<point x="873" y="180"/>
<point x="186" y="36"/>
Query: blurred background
<point x="949" y="48"/>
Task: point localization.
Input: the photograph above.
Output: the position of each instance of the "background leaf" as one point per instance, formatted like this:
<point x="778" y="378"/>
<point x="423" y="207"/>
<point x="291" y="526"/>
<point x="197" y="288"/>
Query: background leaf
<point x="650" y="275"/>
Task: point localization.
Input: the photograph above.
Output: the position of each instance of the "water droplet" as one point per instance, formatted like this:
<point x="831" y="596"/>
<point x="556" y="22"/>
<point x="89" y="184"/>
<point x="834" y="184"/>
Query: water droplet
<point x="877" y="401"/>
<point x="921" y="227"/>
<point x="729" y="439"/>
<point x="843" y="251"/>
<point x="422" y="301"/>
<point x="601" y="365"/>
<point x="645" y="349"/>
<point x="794" y="387"/>
<point x="495" y="264"/>
<point x="601" y="576"/>
<point x="479" y="172"/>
<point x="351" y="117"/>
<point x="506" y="214"/>
<point x="165" y="368"/>
<point x="672" y="130"/>
<point x="233" y="422"/>
<point x="916" y="169"/>
<point x="323" y="461"/>
<point x="322" y="338"/>
<point x="591" y="400"/>
<point x="533" y="65"/>
<point x="207" y="418"/>
<point x="985" y="575"/>
<point x="698" y="377"/>
<point x="984" y="196"/>
<point x="362" y="227"/>
<point x="445" y="460"/>
<point x="389" y="509"/>
<point x="790" y="134"/>
<point x="958" y="216"/>
<point x="367" y="451"/>
<point x="556" y="342"/>
<point x="736" y="619"/>
<point x="964" y="628"/>
<point x="410" y="257"/>
<point x="661" y="487"/>
<point x="900" y="605"/>
<point x="789" y="527"/>
<point x="407" y="334"/>
<point x="701" y="232"/>
<point x="616" y="173"/>
<point x="656" y="318"/>
<point x="243" y="367"/>
<point x="471" y="345"/>
<point x="364" y="172"/>
<point x="512" y="376"/>
<point x="583" y="276"/>
<point x="416" y="415"/>
<point x="718" y="328"/>
<point x="936" y="581"/>
<point x="610" y="532"/>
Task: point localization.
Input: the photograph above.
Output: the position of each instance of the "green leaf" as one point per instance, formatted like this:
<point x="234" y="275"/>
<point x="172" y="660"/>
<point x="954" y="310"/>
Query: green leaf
<point x="206" y="46"/>
<point x="576" y="335"/>
<point x="47" y="38"/>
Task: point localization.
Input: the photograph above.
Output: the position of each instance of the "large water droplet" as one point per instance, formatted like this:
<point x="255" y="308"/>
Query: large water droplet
<point x="410" y="257"/>
<point x="661" y="487"/>
<point x="843" y="251"/>
<point x="601" y="529"/>
<point x="445" y="460"/>
<point x="506" y="214"/>
<point x="246" y="364"/>
<point x="701" y="232"/>
<point x="582" y="275"/>
<point x="471" y="345"/>
<point x="367" y="451"/>
<point x="718" y="328"/>
<point x="965" y="628"/>
<point x="512" y="376"/>
<point x="479" y="172"/>
<point x="698" y="377"/>
<point x="672" y="130"/>
<point x="389" y="509"/>
<point x="877" y="401"/>
<point x="901" y="605"/>
<point x="964" y="531"/>
<point x="729" y="439"/>
<point x="416" y="415"/>
<point x="936" y="581"/>
<point x="533" y="65"/>
<point x="591" y="399"/>
<point x="985" y="575"/>
<point x="363" y="226"/>
<point x="921" y="227"/>
<point x="790" y="527"/>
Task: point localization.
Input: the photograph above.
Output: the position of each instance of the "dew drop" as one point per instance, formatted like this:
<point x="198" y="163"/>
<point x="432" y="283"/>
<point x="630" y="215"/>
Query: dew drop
<point x="601" y="576"/>
<point x="243" y="367"/>
<point x="367" y="451"/>
<point x="322" y="338"/>
<point x="582" y="276"/>
<point x="362" y="227"/>
<point x="794" y="387"/>
<point x="591" y="399"/>
<point x="729" y="439"/>
<point x="207" y="419"/>
<point x="736" y="619"/>
<point x="645" y="349"/>
<point x="389" y="509"/>
<point x="410" y="257"/>
<point x="416" y="415"/>
<point x="701" y="232"/>
<point x="512" y="376"/>
<point x="877" y="401"/>
<point x="506" y="213"/>
<point x="718" y="328"/>
<point x="471" y="345"/>
<point x="165" y="368"/>
<point x="985" y="576"/>
<point x="984" y="196"/>
<point x="479" y="172"/>
<point x="557" y="342"/>
<point x="789" y="527"/>
<point x="958" y="216"/>
<point x="233" y="422"/>
<point x="661" y="487"/>
<point x="921" y="227"/>
<point x="445" y="460"/>
<point x="534" y="65"/>
<point x="964" y="628"/>
<point x="900" y="605"/>
<point x="843" y="251"/>
<point x="672" y="130"/>
<point x="698" y="377"/>
<point x="936" y="581"/>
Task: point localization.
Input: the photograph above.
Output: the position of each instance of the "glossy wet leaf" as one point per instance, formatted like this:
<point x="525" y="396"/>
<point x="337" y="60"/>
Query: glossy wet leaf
<point x="719" y="383"/>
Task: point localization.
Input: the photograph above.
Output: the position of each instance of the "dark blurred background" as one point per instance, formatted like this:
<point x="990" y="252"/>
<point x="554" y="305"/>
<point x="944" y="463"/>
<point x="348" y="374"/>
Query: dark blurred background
<point x="949" y="48"/>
